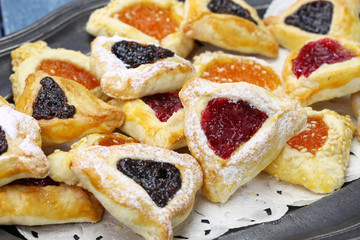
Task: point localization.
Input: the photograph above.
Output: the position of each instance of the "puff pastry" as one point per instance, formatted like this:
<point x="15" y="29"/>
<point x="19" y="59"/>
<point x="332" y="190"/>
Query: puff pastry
<point x="233" y="25"/>
<point x="20" y="147"/>
<point x="316" y="18"/>
<point x="235" y="130"/>
<point x="65" y="109"/>
<point x="322" y="69"/>
<point x="148" y="21"/>
<point x="318" y="156"/>
<point x="227" y="68"/>
<point x="31" y="57"/>
<point x="108" y="173"/>
<point x="122" y="79"/>
<point x="3" y="101"/>
<point x="154" y="127"/>
<point x="355" y="107"/>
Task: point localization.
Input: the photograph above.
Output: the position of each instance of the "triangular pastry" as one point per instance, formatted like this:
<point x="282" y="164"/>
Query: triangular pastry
<point x="317" y="157"/>
<point x="131" y="69"/>
<point x="322" y="69"/>
<point x="144" y="20"/>
<point x="149" y="189"/>
<point x="307" y="19"/>
<point x="235" y="130"/>
<point x="232" y="24"/>
<point x="65" y="109"/>
<point x="31" y="57"/>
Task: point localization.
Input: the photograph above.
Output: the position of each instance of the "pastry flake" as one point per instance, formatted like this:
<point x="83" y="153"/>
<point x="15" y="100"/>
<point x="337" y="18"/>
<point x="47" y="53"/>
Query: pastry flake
<point x="235" y="130"/>
<point x="317" y="157"/>
<point x="307" y="19"/>
<point x="119" y="177"/>
<point x="65" y="109"/>
<point x="125" y="75"/>
<point x="144" y="20"/>
<point x="233" y="25"/>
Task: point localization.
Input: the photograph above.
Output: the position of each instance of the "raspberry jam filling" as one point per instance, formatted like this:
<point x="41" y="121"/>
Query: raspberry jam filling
<point x="67" y="70"/>
<point x="227" y="124"/>
<point x="315" y="54"/>
<point x="36" y="182"/>
<point x="241" y="70"/>
<point x="3" y="141"/>
<point x="161" y="180"/>
<point x="164" y="104"/>
<point x="312" y="138"/>
<point x="150" y="19"/>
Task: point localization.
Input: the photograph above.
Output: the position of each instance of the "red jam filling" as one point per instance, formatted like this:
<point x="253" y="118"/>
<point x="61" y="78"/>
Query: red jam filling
<point x="164" y="104"/>
<point x="315" y="54"/>
<point x="228" y="124"/>
<point x="313" y="137"/>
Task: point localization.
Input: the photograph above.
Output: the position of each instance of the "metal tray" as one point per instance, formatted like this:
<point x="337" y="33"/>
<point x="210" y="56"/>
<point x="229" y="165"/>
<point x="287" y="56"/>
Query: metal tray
<point x="334" y="217"/>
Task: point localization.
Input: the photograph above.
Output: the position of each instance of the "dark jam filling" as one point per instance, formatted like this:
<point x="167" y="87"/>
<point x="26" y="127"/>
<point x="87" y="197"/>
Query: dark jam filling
<point x="160" y="180"/>
<point x="134" y="54"/>
<point x="164" y="104"/>
<point x="315" y="54"/>
<point x="3" y="141"/>
<point x="314" y="17"/>
<point x="35" y="182"/>
<point x="229" y="7"/>
<point x="228" y="124"/>
<point x="51" y="102"/>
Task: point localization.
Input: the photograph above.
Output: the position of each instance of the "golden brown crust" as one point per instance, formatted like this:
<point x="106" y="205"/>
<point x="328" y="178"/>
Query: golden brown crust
<point x="345" y="22"/>
<point x="92" y="114"/>
<point x="238" y="34"/>
<point x="324" y="171"/>
<point x="3" y="101"/>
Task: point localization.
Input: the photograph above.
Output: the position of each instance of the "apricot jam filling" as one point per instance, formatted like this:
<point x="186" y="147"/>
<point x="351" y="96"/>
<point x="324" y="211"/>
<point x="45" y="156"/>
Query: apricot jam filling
<point x="67" y="70"/>
<point x="241" y="70"/>
<point x="164" y="104"/>
<point x="312" y="138"/>
<point x="228" y="123"/>
<point x="111" y="141"/>
<point x="314" y="54"/>
<point x="153" y="20"/>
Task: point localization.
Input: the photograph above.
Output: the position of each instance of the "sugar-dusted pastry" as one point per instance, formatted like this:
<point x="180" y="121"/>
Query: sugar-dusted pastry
<point x="65" y="109"/>
<point x="31" y="57"/>
<point x="235" y="130"/>
<point x="322" y="69"/>
<point x="307" y="19"/>
<point x="355" y="107"/>
<point x="130" y="69"/>
<point x="149" y="21"/>
<point x="149" y="189"/>
<point x="60" y="161"/>
<point x="43" y="201"/>
<point x="20" y="147"/>
<point x="231" y="24"/>
<point x="227" y="68"/>
<point x="317" y="157"/>
<point x="157" y="120"/>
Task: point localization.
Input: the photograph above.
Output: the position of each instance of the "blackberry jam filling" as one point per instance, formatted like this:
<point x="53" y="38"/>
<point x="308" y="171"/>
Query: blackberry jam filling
<point x="3" y="141"/>
<point x="160" y="180"/>
<point x="36" y="182"/>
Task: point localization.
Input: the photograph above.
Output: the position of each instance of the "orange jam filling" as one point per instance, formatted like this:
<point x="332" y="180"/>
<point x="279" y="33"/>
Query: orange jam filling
<point x="241" y="70"/>
<point x="150" y="19"/>
<point x="111" y="141"/>
<point x="67" y="70"/>
<point x="313" y="137"/>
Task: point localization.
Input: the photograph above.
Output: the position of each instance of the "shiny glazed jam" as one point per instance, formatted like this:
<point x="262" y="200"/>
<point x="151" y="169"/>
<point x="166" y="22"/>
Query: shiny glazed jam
<point x="3" y="141"/>
<point x="151" y="19"/>
<point x="36" y="182"/>
<point x="164" y="104"/>
<point x="312" y="138"/>
<point x="161" y="180"/>
<point x="227" y="124"/>
<point x="111" y="141"/>
<point x="67" y="70"/>
<point x="315" y="54"/>
<point x="244" y="70"/>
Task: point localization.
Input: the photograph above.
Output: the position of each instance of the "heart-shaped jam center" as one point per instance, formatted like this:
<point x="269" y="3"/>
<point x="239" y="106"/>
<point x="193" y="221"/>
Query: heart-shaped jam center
<point x="313" y="137"/>
<point x="3" y="141"/>
<point x="51" y="102"/>
<point x="315" y="54"/>
<point x="164" y="104"/>
<point x="161" y="180"/>
<point x="314" y="17"/>
<point x="134" y="54"/>
<point x="229" y="123"/>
